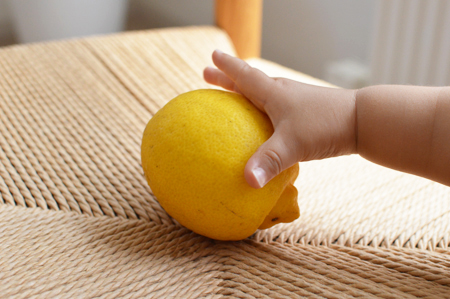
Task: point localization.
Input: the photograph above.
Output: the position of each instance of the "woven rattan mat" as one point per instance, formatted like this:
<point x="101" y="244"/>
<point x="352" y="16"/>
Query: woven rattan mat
<point x="77" y="218"/>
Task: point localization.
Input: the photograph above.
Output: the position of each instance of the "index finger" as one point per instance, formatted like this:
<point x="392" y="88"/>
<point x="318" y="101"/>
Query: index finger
<point x="252" y="83"/>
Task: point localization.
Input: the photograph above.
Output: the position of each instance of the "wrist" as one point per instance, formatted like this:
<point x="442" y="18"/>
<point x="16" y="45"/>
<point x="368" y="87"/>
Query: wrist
<point x="348" y="135"/>
<point x="353" y="134"/>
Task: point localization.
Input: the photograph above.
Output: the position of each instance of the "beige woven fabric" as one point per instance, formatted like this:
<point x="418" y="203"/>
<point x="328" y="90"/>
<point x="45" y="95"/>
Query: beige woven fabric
<point x="48" y="254"/>
<point x="71" y="118"/>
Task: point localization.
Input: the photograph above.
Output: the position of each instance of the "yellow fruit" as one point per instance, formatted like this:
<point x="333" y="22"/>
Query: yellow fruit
<point x="194" y="151"/>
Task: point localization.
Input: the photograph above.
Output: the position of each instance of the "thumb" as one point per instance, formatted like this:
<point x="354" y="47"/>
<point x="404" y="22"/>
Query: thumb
<point x="270" y="159"/>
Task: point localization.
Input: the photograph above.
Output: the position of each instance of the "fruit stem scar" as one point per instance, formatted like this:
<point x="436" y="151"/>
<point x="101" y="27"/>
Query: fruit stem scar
<point x="274" y="219"/>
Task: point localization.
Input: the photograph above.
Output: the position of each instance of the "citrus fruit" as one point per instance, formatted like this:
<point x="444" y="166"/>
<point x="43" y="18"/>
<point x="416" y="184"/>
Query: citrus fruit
<point x="194" y="151"/>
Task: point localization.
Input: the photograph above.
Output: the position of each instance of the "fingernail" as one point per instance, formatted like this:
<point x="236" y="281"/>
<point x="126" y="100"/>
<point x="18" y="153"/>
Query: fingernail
<point x="260" y="176"/>
<point x="218" y="51"/>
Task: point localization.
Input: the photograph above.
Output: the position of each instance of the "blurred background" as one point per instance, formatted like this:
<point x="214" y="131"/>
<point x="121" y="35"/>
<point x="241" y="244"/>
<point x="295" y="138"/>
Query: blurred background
<point x="351" y="43"/>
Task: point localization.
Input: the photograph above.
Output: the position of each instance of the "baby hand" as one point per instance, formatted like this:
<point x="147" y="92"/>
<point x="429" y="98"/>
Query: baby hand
<point x="310" y="122"/>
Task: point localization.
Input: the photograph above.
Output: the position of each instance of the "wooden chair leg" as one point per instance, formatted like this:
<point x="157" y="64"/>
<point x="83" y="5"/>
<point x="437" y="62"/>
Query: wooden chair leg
<point x="242" y="20"/>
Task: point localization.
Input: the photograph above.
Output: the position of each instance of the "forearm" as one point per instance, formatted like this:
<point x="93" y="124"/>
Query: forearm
<point x="405" y="128"/>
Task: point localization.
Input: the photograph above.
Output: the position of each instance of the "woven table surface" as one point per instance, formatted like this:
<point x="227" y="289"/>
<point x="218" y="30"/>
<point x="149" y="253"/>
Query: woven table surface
<point x="77" y="218"/>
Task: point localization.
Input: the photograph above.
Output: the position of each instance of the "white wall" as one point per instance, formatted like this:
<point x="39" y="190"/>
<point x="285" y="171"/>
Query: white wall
<point x="308" y="34"/>
<point x="6" y="31"/>
<point x="302" y="34"/>
<point x="169" y="13"/>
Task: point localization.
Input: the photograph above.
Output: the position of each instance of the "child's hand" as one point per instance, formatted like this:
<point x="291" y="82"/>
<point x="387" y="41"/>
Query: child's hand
<point x="310" y="122"/>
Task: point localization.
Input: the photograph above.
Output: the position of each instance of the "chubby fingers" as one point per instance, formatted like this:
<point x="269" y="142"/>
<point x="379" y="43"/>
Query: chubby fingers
<point x="217" y="77"/>
<point x="271" y="158"/>
<point x="251" y="82"/>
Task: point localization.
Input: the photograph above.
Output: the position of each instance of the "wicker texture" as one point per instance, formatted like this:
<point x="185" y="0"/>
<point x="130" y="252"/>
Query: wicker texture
<point x="77" y="218"/>
<point x="49" y="254"/>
